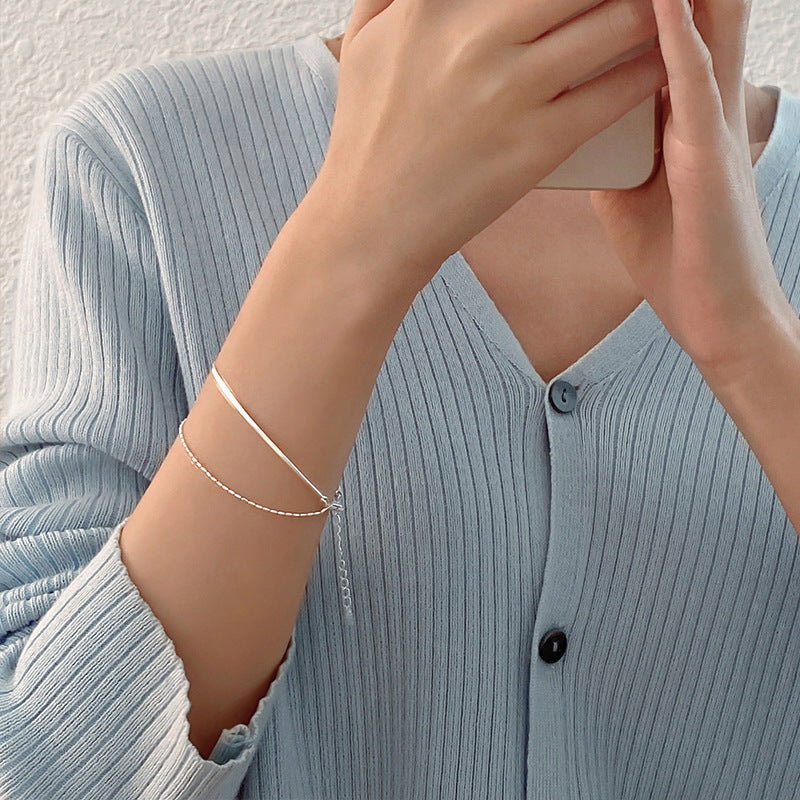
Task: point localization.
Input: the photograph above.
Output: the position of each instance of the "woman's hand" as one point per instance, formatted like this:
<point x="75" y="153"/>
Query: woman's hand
<point x="692" y="238"/>
<point x="449" y="112"/>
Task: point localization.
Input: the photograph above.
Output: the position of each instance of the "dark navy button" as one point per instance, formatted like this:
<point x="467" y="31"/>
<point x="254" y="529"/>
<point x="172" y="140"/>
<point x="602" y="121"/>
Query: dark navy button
<point x="552" y="646"/>
<point x="563" y="396"/>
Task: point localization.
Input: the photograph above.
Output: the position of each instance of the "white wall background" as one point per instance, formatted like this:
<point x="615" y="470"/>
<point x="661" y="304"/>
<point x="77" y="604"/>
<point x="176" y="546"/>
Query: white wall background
<point x="52" y="50"/>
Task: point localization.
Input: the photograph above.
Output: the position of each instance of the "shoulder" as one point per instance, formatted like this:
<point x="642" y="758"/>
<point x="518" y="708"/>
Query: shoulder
<point x="140" y="119"/>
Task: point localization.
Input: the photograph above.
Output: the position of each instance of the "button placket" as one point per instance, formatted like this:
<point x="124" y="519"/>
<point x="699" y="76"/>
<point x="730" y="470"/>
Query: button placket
<point x="548" y="680"/>
<point x="563" y="397"/>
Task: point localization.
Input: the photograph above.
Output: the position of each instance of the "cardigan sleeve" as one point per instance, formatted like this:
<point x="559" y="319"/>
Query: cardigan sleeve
<point x="93" y="696"/>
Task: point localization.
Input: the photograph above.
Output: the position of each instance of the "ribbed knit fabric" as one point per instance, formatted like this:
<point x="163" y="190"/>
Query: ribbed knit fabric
<point x="478" y="517"/>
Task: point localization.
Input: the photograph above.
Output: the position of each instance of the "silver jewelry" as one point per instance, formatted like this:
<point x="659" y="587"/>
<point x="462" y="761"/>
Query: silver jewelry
<point x="336" y="505"/>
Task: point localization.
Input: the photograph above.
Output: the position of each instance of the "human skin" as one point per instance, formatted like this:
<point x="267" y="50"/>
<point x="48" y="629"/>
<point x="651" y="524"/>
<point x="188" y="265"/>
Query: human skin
<point x="225" y="579"/>
<point x="586" y="297"/>
<point x="761" y="108"/>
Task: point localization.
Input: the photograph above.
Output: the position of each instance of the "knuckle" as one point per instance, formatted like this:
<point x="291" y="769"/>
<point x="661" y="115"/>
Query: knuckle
<point x="642" y="17"/>
<point x="628" y="16"/>
<point x="706" y="61"/>
<point x="461" y="46"/>
<point x="615" y="21"/>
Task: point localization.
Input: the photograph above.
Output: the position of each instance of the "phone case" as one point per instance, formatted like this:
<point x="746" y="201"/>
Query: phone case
<point x="625" y="155"/>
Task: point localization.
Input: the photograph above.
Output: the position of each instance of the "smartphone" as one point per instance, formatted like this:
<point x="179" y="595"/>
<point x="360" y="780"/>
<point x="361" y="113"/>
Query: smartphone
<point x="625" y="155"/>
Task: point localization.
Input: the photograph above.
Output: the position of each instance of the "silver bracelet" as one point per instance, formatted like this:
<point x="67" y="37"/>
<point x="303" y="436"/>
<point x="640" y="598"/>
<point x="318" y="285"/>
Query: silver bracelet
<point x="219" y="483"/>
<point x="228" y="394"/>
<point x="336" y="505"/>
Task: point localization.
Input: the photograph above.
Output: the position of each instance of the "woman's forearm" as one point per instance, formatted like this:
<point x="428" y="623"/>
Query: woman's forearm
<point x="226" y="579"/>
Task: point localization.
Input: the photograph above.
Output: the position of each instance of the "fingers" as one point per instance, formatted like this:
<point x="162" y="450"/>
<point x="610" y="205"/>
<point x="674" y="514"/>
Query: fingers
<point x="527" y="20"/>
<point x="695" y="100"/>
<point x="589" y="45"/>
<point x="723" y="26"/>
<point x="583" y="112"/>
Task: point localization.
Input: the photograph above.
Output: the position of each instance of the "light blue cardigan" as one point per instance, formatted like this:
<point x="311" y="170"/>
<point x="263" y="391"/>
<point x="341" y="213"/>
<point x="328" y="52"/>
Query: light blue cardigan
<point x="481" y="513"/>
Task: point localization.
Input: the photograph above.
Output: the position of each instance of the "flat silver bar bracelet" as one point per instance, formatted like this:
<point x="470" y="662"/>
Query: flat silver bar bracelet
<point x="336" y="505"/>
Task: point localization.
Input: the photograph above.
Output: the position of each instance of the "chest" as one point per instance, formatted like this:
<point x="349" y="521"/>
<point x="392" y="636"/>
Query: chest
<point x="558" y="304"/>
<point x="553" y="275"/>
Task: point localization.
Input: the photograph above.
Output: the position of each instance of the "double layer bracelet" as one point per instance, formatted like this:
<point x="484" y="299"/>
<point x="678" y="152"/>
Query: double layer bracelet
<point x="336" y="504"/>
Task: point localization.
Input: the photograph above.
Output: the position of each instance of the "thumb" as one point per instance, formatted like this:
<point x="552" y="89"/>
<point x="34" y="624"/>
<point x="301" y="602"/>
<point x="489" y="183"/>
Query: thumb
<point x="363" y="12"/>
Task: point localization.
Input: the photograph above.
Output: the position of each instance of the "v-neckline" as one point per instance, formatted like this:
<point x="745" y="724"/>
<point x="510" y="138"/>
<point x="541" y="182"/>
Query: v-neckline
<point x="636" y="331"/>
